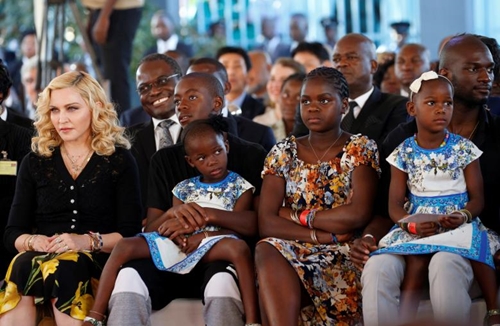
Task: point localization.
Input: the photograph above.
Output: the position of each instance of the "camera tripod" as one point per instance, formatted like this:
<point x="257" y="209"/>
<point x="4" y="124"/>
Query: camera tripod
<point x="50" y="16"/>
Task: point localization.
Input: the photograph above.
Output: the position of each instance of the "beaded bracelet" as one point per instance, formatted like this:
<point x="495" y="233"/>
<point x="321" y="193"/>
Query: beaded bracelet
<point x="311" y="215"/>
<point x="97" y="241"/>
<point x="403" y="226"/>
<point x="93" y="321"/>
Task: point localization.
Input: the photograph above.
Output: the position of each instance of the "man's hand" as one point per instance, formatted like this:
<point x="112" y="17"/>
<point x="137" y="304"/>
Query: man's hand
<point x="190" y="215"/>
<point x="100" y="30"/>
<point x="360" y="251"/>
<point x="174" y="229"/>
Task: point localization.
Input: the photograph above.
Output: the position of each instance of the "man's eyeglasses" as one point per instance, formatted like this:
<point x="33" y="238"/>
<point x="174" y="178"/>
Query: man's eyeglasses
<point x="160" y="82"/>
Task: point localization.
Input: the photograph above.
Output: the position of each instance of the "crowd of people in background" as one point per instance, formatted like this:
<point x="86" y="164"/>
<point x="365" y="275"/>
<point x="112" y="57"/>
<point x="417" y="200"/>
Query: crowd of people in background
<point x="290" y="165"/>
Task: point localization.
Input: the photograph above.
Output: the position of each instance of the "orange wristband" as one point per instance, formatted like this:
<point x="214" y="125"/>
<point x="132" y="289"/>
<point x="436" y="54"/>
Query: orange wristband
<point x="412" y="228"/>
<point x="303" y="217"/>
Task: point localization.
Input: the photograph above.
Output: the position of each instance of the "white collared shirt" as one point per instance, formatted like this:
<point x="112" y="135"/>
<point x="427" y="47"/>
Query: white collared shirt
<point x="168" y="45"/>
<point x="361" y="100"/>
<point x="239" y="100"/>
<point x="3" y="116"/>
<point x="174" y="129"/>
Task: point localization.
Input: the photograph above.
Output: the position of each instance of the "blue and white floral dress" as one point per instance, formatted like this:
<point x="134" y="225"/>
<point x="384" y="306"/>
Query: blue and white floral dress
<point x="436" y="185"/>
<point x="221" y="195"/>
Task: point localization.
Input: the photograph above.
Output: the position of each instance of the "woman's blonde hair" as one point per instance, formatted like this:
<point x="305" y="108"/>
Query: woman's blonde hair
<point x="106" y="132"/>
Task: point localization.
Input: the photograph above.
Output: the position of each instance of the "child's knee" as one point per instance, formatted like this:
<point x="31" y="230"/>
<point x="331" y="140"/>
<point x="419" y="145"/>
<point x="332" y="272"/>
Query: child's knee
<point x="239" y="249"/>
<point x="124" y="246"/>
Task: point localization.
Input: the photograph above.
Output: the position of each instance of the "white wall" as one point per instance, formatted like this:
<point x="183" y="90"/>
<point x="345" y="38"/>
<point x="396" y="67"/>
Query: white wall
<point x="440" y="18"/>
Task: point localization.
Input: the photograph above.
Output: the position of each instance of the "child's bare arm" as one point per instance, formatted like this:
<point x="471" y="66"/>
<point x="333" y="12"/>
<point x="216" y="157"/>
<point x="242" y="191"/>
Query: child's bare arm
<point x="475" y="189"/>
<point x="241" y="220"/>
<point x="397" y="194"/>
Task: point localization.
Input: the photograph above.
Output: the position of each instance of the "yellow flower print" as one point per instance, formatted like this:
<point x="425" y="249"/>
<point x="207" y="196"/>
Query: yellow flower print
<point x="50" y="266"/>
<point x="71" y="255"/>
<point x="9" y="298"/>
<point x="9" y="270"/>
<point x="81" y="305"/>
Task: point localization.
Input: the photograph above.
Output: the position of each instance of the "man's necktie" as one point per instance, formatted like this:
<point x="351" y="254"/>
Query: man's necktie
<point x="165" y="138"/>
<point x="349" y="118"/>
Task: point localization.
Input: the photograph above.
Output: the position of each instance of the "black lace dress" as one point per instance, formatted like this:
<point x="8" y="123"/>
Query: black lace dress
<point x="104" y="198"/>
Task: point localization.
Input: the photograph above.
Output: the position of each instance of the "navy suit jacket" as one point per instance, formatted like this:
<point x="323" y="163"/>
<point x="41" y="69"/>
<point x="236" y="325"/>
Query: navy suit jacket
<point x="184" y="48"/>
<point x="381" y="114"/>
<point x="20" y="120"/>
<point x="134" y="116"/>
<point x="143" y="148"/>
<point x="281" y="50"/>
<point x="16" y="141"/>
<point x="251" y="107"/>
<point x="254" y="132"/>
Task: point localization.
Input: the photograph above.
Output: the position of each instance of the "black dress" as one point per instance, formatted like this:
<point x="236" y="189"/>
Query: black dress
<point x="104" y="198"/>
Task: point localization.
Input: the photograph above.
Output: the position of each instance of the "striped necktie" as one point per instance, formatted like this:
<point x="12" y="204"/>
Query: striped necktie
<point x="165" y="138"/>
<point x="349" y="118"/>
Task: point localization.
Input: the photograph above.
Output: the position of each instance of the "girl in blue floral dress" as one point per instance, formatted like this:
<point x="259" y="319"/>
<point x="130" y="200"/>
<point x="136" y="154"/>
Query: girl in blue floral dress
<point x="206" y="150"/>
<point x="441" y="172"/>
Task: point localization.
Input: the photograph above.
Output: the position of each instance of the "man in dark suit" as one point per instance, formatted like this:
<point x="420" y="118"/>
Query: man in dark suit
<point x="8" y="114"/>
<point x="238" y="64"/>
<point x="156" y="78"/>
<point x="134" y="117"/>
<point x="371" y="112"/>
<point x="162" y="28"/>
<point x="246" y="128"/>
<point x="29" y="49"/>
<point x="272" y="42"/>
<point x="15" y="143"/>
<point x="140" y="286"/>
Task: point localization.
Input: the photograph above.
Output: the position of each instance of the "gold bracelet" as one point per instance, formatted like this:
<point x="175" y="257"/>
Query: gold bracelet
<point x="25" y="243"/>
<point x="294" y="217"/>
<point x="31" y="241"/>
<point x="91" y="243"/>
<point x="314" y="236"/>
<point x="468" y="214"/>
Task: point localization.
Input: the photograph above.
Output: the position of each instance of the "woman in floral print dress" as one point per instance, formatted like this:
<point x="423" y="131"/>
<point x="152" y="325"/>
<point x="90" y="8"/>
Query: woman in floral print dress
<point x="318" y="190"/>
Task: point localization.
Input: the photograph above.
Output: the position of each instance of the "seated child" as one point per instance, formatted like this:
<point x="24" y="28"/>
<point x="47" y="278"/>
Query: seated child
<point x="206" y="149"/>
<point x="441" y="172"/>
